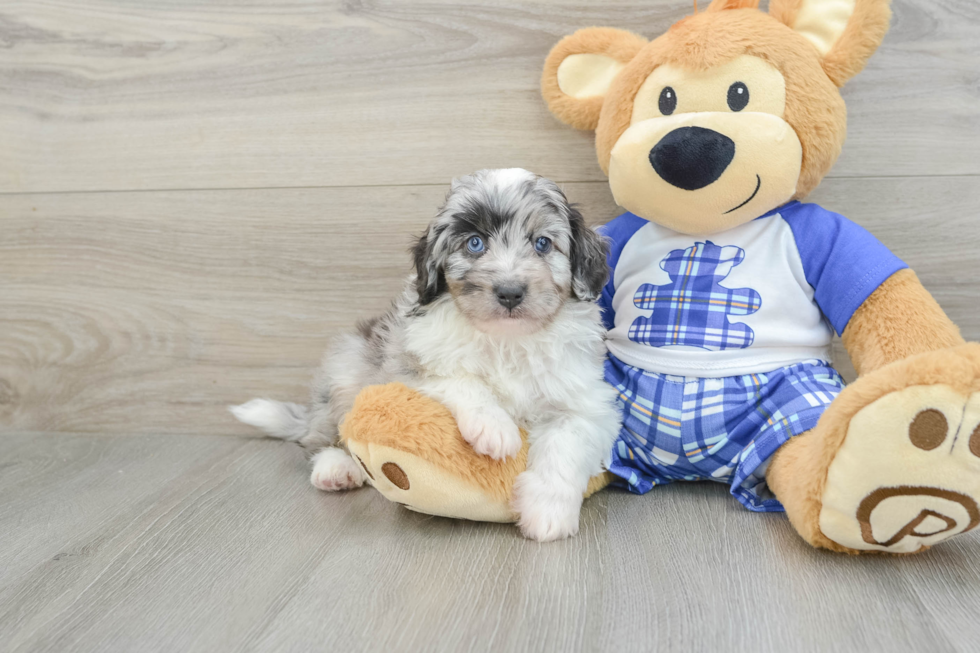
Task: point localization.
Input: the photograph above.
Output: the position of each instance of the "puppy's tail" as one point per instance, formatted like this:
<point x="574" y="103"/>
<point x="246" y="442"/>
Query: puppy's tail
<point x="276" y="418"/>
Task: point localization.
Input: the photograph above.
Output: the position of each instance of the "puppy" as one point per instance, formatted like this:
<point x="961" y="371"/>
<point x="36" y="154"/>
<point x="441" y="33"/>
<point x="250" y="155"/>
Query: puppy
<point x="498" y="324"/>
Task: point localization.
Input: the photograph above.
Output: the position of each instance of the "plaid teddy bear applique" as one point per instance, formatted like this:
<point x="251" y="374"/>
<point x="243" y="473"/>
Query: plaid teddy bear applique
<point x="693" y="309"/>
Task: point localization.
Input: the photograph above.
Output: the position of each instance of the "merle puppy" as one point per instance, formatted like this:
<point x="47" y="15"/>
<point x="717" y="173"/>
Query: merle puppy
<point x="499" y="324"/>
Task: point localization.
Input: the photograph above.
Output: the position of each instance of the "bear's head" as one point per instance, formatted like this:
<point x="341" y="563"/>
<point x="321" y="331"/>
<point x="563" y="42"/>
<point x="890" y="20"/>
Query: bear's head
<point x="729" y="114"/>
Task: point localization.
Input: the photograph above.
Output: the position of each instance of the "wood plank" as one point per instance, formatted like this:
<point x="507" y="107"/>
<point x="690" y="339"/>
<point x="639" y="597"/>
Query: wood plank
<point x="110" y="95"/>
<point x="119" y="478"/>
<point x="205" y="543"/>
<point x="150" y="312"/>
<point x="945" y="584"/>
<point x="196" y="567"/>
<point x="690" y="569"/>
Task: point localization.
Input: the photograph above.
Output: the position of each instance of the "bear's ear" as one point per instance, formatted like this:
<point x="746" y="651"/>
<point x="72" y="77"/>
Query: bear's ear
<point x="579" y="70"/>
<point x="845" y="32"/>
<point x="721" y="5"/>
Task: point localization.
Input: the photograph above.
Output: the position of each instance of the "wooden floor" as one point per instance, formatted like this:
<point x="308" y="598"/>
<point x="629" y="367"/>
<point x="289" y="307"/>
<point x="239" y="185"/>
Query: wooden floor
<point x="210" y="543"/>
<point x="194" y="196"/>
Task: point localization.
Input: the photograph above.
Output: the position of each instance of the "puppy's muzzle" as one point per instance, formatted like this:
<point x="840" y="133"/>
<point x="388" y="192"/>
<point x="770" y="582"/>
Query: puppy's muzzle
<point x="692" y="157"/>
<point x="510" y="295"/>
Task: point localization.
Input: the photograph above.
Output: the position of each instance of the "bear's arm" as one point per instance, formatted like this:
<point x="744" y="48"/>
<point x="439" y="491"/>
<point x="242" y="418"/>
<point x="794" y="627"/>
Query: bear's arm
<point x="896" y="321"/>
<point x="872" y="299"/>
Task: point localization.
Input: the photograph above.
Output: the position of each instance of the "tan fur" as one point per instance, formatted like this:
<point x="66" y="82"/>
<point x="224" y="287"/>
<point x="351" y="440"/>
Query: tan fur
<point x="864" y="33"/>
<point x="615" y="43"/>
<point x="727" y="29"/>
<point x="785" y="11"/>
<point x="862" y="36"/>
<point x="798" y="472"/>
<point x="889" y="340"/>
<point x="724" y="5"/>
<point x="395" y="416"/>
<point x="814" y="107"/>
<point x="900" y="319"/>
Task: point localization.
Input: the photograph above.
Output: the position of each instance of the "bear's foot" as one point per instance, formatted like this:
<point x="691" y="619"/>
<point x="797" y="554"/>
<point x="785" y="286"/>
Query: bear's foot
<point x="413" y="454"/>
<point x="425" y="486"/>
<point x="908" y="473"/>
<point x="894" y="465"/>
<point x="410" y="450"/>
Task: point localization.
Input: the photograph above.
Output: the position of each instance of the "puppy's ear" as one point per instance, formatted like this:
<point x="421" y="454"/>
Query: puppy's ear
<point x="430" y="281"/>
<point x="590" y="269"/>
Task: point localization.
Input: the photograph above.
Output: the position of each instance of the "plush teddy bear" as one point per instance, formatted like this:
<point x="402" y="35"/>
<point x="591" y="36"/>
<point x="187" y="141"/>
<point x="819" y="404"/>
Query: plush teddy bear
<point x="724" y="294"/>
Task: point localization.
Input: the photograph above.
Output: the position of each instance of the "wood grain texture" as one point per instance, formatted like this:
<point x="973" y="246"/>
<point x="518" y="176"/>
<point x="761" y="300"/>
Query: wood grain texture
<point x="106" y="95"/>
<point x="151" y="312"/>
<point x="135" y="302"/>
<point x="205" y="543"/>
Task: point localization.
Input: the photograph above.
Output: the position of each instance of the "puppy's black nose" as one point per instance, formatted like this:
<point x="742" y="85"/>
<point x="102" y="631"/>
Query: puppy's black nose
<point x="510" y="296"/>
<point x="692" y="157"/>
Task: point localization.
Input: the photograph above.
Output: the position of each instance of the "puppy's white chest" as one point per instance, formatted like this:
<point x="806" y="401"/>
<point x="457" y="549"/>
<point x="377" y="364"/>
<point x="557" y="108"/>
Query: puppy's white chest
<point x="522" y="377"/>
<point x="526" y="375"/>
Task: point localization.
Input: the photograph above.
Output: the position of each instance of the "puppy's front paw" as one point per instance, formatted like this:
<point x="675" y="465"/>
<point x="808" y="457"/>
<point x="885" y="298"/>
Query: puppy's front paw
<point x="549" y="510"/>
<point x="334" y="470"/>
<point x="490" y="431"/>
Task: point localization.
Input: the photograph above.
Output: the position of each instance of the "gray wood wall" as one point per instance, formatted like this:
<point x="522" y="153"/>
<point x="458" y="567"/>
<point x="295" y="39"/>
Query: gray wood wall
<point x="195" y="196"/>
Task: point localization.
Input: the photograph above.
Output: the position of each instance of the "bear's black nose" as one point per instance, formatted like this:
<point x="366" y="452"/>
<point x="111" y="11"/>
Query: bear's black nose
<point x="692" y="157"/>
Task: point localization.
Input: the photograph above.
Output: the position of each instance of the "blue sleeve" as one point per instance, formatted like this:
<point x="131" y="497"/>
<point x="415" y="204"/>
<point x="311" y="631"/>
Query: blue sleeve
<point x="841" y="260"/>
<point x="618" y="232"/>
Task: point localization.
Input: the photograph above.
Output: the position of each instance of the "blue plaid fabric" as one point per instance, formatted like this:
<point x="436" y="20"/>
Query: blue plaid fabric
<point x="721" y="429"/>
<point x="694" y="308"/>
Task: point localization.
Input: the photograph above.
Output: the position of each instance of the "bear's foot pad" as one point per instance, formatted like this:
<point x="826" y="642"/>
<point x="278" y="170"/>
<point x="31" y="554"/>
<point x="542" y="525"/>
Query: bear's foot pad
<point x="908" y="473"/>
<point x="426" y="487"/>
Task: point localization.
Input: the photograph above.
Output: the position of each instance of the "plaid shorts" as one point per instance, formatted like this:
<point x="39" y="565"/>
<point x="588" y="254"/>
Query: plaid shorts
<point x="725" y="429"/>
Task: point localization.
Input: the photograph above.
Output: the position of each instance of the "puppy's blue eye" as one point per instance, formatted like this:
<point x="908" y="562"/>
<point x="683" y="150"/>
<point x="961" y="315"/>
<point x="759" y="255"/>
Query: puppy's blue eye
<point x="475" y="244"/>
<point x="542" y="245"/>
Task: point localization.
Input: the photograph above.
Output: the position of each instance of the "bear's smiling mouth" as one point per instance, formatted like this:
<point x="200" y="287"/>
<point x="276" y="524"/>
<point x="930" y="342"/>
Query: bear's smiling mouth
<point x="758" y="185"/>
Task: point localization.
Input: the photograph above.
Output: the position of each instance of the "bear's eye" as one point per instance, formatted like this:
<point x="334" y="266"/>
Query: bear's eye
<point x="738" y="96"/>
<point x="668" y="101"/>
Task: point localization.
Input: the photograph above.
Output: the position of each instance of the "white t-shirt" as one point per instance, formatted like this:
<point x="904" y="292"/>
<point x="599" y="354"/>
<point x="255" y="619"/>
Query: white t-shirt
<point x="761" y="296"/>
